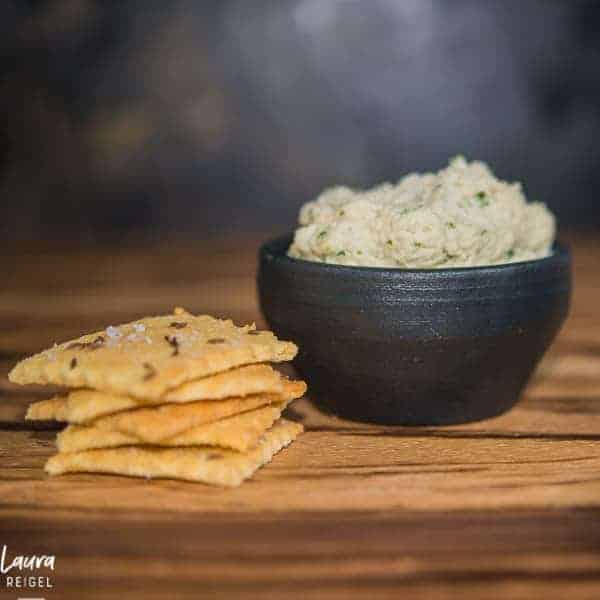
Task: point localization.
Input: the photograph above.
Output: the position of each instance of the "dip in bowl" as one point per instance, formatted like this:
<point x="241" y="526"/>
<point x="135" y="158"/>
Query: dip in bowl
<point x="419" y="346"/>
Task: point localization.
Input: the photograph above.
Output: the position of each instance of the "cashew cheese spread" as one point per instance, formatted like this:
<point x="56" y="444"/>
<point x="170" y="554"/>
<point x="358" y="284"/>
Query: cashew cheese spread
<point x="458" y="217"/>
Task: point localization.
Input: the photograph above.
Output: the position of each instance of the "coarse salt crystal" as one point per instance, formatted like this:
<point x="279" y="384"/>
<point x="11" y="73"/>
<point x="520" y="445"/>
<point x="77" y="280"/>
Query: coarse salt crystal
<point x="51" y="353"/>
<point x="139" y="327"/>
<point x="113" y="332"/>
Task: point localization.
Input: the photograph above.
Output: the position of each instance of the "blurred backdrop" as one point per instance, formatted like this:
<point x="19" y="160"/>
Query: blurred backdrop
<point x="188" y="118"/>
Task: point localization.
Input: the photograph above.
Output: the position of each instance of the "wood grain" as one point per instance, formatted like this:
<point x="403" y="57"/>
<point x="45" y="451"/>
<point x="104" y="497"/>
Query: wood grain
<point x="505" y="508"/>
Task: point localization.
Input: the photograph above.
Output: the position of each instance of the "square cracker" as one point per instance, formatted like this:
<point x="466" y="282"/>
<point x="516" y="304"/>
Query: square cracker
<point x="240" y="432"/>
<point x="152" y="425"/>
<point x="81" y="406"/>
<point x="148" y="357"/>
<point x="156" y="423"/>
<point x="242" y="381"/>
<point x="218" y="467"/>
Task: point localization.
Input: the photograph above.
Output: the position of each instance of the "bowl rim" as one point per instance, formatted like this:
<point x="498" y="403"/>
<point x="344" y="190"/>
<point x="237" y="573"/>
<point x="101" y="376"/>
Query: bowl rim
<point x="560" y="253"/>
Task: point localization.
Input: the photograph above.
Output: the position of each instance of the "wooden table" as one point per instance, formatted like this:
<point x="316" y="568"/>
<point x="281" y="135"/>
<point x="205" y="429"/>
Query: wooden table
<point x="506" y="508"/>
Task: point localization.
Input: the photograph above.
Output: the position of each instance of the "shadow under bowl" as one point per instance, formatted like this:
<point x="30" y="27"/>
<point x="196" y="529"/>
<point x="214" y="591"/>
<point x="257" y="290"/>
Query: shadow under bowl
<point x="411" y="346"/>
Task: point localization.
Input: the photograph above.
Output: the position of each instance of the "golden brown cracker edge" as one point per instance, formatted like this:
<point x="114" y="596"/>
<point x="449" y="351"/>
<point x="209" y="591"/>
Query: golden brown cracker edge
<point x="82" y="406"/>
<point x="154" y="424"/>
<point x="239" y="432"/>
<point x="217" y="467"/>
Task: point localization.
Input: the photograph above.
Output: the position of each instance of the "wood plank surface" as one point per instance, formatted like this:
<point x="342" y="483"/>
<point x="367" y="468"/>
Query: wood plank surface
<point x="505" y="508"/>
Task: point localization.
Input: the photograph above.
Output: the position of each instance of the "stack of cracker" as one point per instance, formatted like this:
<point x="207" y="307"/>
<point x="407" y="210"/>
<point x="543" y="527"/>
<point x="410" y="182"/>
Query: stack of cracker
<point x="177" y="396"/>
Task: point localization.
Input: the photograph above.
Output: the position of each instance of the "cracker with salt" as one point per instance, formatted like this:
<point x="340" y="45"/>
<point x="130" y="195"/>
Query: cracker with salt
<point x="81" y="406"/>
<point x="240" y="432"/>
<point x="151" y="356"/>
<point x="151" y="425"/>
<point x="218" y="467"/>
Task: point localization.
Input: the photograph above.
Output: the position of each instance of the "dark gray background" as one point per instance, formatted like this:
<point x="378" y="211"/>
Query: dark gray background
<point x="198" y="117"/>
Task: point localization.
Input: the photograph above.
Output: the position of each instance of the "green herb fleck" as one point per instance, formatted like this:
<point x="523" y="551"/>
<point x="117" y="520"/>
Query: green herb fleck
<point x="341" y="213"/>
<point x="484" y="232"/>
<point x="390" y="243"/>
<point x="482" y="199"/>
<point x="510" y="253"/>
<point x="451" y="225"/>
<point x="359" y="252"/>
<point x="418" y="245"/>
<point x="341" y="253"/>
<point x="322" y="234"/>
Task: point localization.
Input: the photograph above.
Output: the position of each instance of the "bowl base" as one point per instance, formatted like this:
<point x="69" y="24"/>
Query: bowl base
<point x="417" y="412"/>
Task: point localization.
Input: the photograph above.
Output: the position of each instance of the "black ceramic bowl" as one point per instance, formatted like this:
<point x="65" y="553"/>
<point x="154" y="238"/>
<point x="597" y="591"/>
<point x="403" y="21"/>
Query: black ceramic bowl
<point x="415" y="347"/>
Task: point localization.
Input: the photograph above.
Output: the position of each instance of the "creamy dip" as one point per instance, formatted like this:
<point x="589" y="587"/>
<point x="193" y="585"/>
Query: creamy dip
<point x="460" y="216"/>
